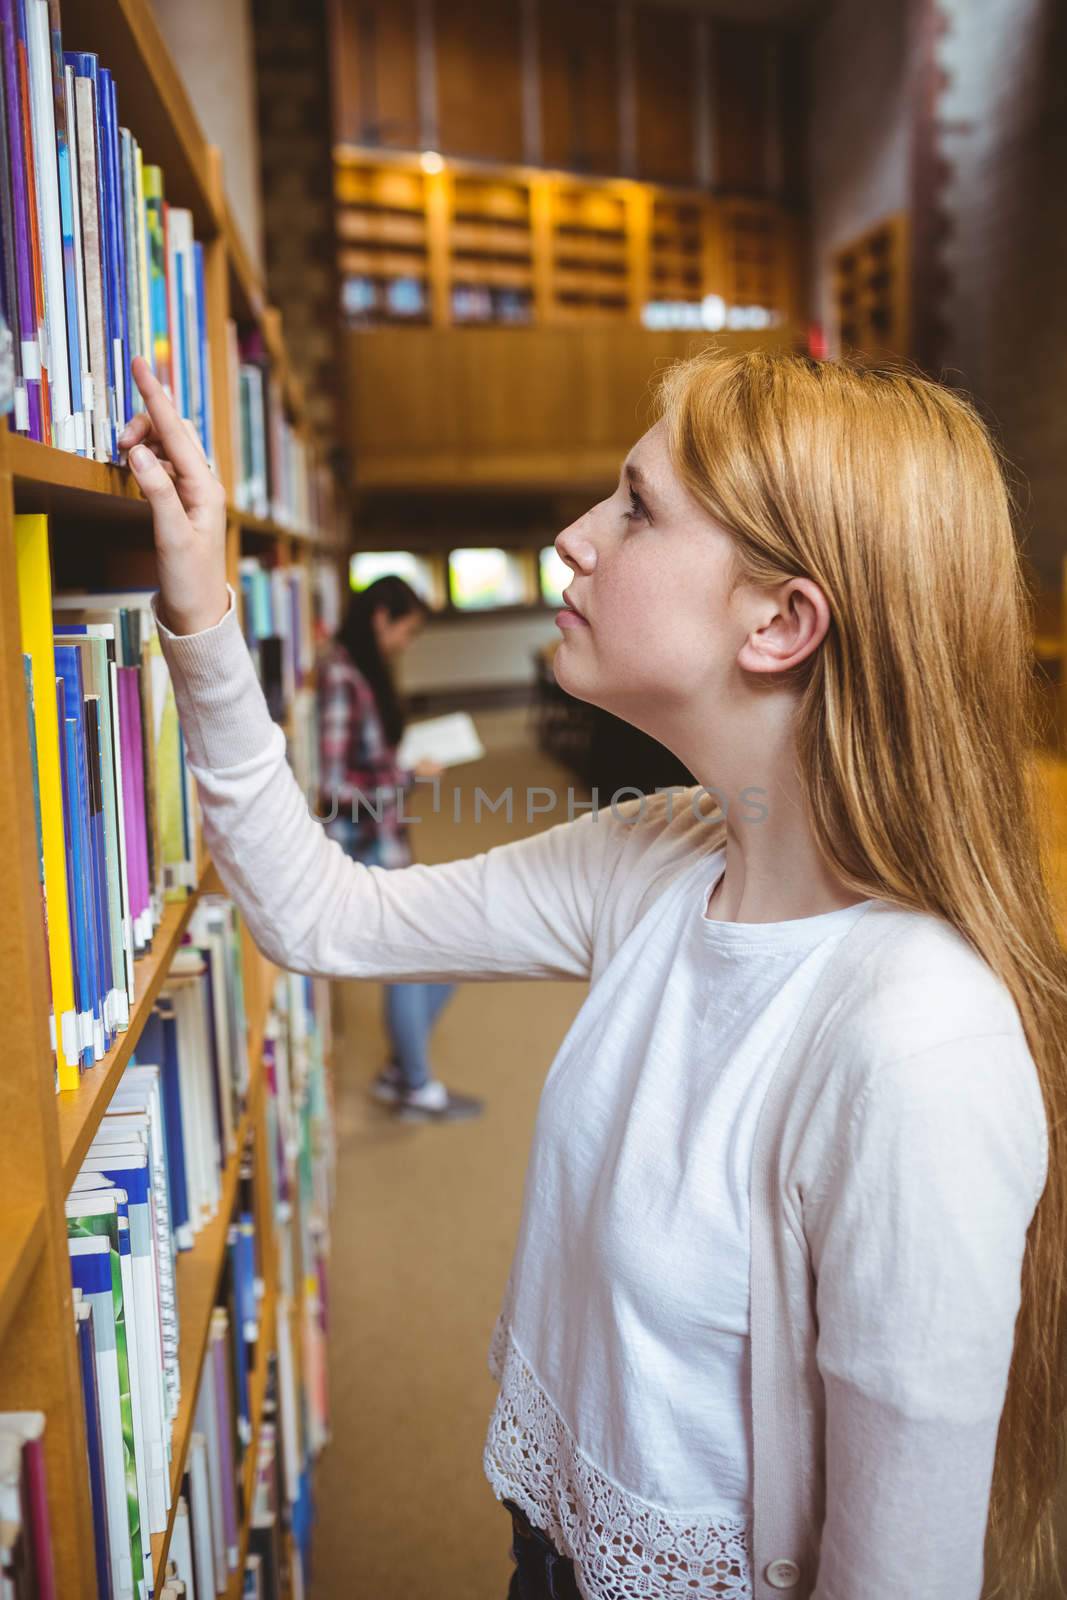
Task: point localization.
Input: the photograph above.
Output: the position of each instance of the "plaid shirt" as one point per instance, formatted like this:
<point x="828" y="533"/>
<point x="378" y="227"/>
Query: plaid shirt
<point x="361" y="780"/>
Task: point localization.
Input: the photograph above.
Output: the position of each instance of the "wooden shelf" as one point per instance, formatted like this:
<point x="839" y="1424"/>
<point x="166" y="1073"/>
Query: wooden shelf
<point x="152" y="100"/>
<point x="21" y="1247"/>
<point x="52" y="480"/>
<point x="198" y="1274"/>
<point x="56" y="482"/>
<point x="81" y="1110"/>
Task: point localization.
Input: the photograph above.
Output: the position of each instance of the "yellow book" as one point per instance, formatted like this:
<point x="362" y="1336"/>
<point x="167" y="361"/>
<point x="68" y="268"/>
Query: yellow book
<point x="35" y="620"/>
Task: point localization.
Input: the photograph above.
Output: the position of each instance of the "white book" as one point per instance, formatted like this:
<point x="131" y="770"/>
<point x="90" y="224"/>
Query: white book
<point x="181" y="1549"/>
<point x="86" y="428"/>
<point x="448" y="740"/>
<point x="85" y="111"/>
<point x="127" y="1164"/>
<point x="287" y="1394"/>
<point x="206" y="1422"/>
<point x="91" y="1258"/>
<point x="201" y="1510"/>
<point x="173" y="312"/>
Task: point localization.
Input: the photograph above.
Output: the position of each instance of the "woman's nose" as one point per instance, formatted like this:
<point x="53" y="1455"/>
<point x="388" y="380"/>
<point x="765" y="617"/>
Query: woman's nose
<point x="575" y="547"/>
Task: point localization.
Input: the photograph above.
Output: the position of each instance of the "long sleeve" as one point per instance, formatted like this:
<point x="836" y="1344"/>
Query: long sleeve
<point x="917" y="1237"/>
<point x="520" y="910"/>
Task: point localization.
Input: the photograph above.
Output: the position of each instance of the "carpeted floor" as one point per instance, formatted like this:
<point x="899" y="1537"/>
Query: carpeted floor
<point x="423" y="1231"/>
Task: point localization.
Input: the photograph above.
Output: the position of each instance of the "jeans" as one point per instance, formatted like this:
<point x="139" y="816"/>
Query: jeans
<point x="541" y="1573"/>
<point x="410" y="1012"/>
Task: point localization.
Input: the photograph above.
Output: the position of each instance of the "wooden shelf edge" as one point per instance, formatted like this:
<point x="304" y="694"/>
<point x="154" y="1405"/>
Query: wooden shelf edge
<point x="43" y="472"/>
<point x="198" y="1276"/>
<point x="81" y="1110"/>
<point x="22" y="1241"/>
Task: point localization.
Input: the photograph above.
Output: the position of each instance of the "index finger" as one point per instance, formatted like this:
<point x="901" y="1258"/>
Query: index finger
<point x="181" y="451"/>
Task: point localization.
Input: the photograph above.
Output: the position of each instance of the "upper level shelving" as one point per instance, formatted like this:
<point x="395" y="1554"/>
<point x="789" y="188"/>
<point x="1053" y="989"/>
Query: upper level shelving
<point x="421" y="241"/>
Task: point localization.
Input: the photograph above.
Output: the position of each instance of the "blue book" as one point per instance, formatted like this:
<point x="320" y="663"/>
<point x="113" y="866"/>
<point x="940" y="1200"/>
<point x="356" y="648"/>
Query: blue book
<point x="107" y="84"/>
<point x="108" y="978"/>
<point x="167" y="1060"/>
<point x="113" y="284"/>
<point x="70" y="280"/>
<point x="203" y="420"/>
<point x="184" y="398"/>
<point x="75" y="881"/>
<point x="247" y="1309"/>
<point x="237" y="1339"/>
<point x="91" y="1401"/>
<point x="83" y="887"/>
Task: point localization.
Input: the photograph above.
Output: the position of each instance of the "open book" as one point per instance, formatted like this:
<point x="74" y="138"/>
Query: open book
<point x="448" y="740"/>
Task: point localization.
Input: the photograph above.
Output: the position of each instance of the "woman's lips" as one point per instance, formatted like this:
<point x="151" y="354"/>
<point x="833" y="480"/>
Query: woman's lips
<point x="570" y="619"/>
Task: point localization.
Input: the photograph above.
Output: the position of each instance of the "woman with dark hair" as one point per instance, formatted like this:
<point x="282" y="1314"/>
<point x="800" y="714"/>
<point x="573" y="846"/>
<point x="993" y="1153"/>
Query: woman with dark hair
<point x="361" y="720"/>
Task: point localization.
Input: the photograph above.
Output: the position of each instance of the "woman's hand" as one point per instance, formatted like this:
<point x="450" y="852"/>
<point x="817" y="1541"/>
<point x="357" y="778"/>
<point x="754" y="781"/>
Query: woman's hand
<point x="426" y="768"/>
<point x="188" y="508"/>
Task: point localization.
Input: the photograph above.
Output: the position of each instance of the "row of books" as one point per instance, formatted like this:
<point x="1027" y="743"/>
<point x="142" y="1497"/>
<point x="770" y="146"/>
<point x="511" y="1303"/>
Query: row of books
<point x="116" y="807"/>
<point x="97" y="266"/>
<point x="151" y="1181"/>
<point x="276" y="478"/>
<point x="278" y="628"/>
<point x="302" y="1160"/>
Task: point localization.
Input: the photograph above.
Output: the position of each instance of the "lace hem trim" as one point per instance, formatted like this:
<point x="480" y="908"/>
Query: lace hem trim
<point x="622" y="1547"/>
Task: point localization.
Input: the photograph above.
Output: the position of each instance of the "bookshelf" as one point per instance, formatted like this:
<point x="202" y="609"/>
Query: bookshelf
<point x="100" y="528"/>
<point x="486" y="243"/>
<point x="871" y="291"/>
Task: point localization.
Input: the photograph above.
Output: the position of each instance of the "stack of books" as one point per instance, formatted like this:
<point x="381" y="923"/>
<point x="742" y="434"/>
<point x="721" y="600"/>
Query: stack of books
<point x="276" y="480"/>
<point x="97" y="267"/>
<point x="278" y="628"/>
<point x="149" y="1185"/>
<point x="26" y="1571"/>
<point x="117" y="810"/>
<point x="302" y="1157"/>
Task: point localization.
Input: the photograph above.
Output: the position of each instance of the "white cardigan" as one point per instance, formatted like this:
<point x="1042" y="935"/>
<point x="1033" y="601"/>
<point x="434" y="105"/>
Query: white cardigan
<point x="899" y="1152"/>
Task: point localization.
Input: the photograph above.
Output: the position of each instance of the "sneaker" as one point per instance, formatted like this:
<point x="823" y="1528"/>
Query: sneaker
<point x="388" y="1086"/>
<point x="435" y="1103"/>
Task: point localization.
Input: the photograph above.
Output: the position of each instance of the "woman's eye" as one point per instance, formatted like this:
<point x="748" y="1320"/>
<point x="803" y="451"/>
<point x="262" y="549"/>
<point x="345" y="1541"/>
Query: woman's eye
<point x="636" y="507"/>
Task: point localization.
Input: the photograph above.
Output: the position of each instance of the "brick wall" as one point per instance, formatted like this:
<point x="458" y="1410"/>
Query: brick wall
<point x="956" y="110"/>
<point x="292" y="79"/>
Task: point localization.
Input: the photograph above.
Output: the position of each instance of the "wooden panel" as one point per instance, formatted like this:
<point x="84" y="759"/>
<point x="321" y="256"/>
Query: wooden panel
<point x="375" y="73"/>
<point x="537" y="408"/>
<point x="579" y="60"/>
<point x="479" y="78"/>
<point x="665" y="82"/>
<point x="740" y="100"/>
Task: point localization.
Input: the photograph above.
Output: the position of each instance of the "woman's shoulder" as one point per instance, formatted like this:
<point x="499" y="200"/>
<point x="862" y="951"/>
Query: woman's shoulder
<point x="924" y="982"/>
<point x="337" y="669"/>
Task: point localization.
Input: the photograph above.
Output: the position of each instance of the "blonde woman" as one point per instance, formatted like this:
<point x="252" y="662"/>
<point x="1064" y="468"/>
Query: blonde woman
<point x="787" y="1307"/>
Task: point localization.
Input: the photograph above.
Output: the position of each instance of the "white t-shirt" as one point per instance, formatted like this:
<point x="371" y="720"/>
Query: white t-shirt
<point x="622" y="1349"/>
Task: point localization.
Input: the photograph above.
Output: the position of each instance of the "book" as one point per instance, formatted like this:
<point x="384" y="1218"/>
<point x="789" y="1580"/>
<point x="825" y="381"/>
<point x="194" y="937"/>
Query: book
<point x="448" y="740"/>
<point x="35" y="617"/>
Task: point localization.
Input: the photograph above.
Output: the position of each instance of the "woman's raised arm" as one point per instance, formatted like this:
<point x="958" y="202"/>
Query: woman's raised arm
<point x="524" y="909"/>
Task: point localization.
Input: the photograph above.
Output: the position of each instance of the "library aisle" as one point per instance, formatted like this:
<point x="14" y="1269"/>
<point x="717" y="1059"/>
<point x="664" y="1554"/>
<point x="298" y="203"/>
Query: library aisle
<point x="424" y="1223"/>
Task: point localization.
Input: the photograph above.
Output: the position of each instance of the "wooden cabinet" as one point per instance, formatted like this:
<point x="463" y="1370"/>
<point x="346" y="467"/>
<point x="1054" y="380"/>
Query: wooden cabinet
<point x="665" y="92"/>
<point x="578" y="62"/>
<point x="375" y="73"/>
<point x="477" y="47"/>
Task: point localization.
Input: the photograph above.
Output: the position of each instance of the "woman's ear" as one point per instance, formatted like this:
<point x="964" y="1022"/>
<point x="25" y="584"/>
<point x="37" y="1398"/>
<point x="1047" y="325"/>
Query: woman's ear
<point x="797" y="622"/>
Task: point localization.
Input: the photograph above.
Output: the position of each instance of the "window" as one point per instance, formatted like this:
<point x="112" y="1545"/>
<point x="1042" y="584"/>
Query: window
<point x="555" y="575"/>
<point x="366" y="565"/>
<point x="481" y="579"/>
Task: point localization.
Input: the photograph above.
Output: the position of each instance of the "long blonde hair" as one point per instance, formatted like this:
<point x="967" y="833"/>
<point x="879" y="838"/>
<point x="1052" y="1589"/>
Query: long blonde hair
<point x="918" y="720"/>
